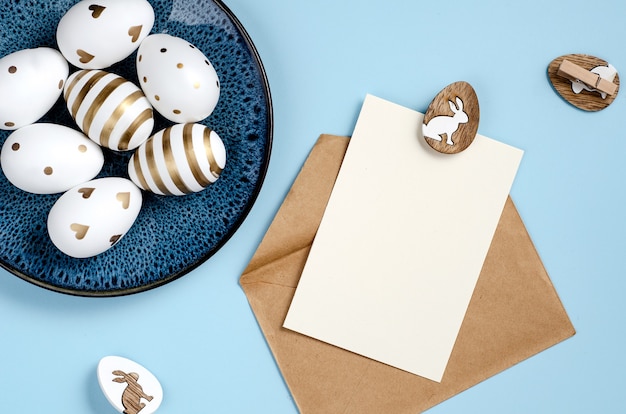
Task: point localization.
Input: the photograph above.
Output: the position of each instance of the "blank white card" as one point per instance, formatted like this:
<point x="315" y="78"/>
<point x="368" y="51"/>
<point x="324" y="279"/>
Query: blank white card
<point x="402" y="242"/>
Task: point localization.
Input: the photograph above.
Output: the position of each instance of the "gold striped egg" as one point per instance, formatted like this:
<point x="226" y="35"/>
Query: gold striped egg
<point x="109" y="109"/>
<point x="178" y="160"/>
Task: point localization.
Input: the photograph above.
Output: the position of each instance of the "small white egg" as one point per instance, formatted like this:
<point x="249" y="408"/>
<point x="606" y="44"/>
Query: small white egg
<point x="109" y="109"/>
<point x="95" y="35"/>
<point x="177" y="78"/>
<point x="31" y="81"/>
<point x="179" y="160"/>
<point x="92" y="217"/>
<point x="49" y="158"/>
<point x="128" y="386"/>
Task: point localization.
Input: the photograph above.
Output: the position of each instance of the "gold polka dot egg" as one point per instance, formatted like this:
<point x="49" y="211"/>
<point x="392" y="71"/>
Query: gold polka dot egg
<point x="177" y="78"/>
<point x="45" y="158"/>
<point x="31" y="81"/>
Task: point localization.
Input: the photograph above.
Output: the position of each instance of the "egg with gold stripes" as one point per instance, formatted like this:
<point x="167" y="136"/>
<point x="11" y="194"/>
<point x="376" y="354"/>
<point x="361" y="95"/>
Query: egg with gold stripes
<point x="109" y="109"/>
<point x="178" y="160"/>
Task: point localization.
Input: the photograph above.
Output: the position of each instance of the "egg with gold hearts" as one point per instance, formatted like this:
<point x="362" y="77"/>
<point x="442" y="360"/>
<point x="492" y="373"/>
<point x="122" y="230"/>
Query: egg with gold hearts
<point x="95" y="35"/>
<point x="92" y="217"/>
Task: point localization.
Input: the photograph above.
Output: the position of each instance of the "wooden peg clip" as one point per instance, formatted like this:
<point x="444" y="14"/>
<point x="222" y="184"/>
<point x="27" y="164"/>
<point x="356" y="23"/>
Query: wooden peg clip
<point x="573" y="72"/>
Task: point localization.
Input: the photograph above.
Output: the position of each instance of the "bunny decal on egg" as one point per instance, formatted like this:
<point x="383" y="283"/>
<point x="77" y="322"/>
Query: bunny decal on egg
<point x="446" y="125"/>
<point x="453" y="113"/>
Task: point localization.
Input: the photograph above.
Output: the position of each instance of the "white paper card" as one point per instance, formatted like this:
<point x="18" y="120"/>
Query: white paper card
<point x="402" y="242"/>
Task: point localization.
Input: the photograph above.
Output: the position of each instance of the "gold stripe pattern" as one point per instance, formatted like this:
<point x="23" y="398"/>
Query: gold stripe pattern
<point x="144" y="116"/>
<point x="97" y="103"/>
<point x="80" y="97"/>
<point x="170" y="163"/>
<point x="110" y="123"/>
<point x="192" y="160"/>
<point x="152" y="168"/>
<point x="137" y="166"/>
<point x="216" y="170"/>
<point x="70" y="86"/>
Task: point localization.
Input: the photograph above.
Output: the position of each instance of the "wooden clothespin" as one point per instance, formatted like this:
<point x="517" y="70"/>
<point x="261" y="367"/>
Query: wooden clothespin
<point x="575" y="73"/>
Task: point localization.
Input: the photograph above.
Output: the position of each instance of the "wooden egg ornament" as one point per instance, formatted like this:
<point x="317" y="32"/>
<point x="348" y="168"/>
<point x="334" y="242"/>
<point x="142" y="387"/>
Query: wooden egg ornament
<point x="587" y="82"/>
<point x="451" y="120"/>
<point x="178" y="160"/>
<point x="128" y="386"/>
<point x="109" y="109"/>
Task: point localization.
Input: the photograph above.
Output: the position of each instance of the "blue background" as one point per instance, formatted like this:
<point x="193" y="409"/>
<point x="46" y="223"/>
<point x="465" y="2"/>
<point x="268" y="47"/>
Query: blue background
<point x="198" y="334"/>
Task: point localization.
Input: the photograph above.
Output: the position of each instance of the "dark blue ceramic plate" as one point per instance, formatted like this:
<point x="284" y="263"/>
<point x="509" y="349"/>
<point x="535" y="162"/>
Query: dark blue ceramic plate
<point x="172" y="235"/>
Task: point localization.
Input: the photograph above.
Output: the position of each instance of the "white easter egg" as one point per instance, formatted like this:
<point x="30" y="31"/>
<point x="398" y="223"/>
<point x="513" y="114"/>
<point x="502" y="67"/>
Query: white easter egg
<point x="177" y="78"/>
<point x="109" y="109"/>
<point x="95" y="35"/>
<point x="128" y="386"/>
<point x="49" y="158"/>
<point x="92" y="217"/>
<point x="179" y="160"/>
<point x="31" y="81"/>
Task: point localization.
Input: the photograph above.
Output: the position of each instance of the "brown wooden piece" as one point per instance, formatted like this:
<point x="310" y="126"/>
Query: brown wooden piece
<point x="451" y="120"/>
<point x="132" y="395"/>
<point x="586" y="100"/>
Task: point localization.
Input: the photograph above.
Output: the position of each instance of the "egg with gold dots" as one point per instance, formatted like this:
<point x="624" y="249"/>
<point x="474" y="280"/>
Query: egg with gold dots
<point x="31" y="81"/>
<point x="177" y="78"/>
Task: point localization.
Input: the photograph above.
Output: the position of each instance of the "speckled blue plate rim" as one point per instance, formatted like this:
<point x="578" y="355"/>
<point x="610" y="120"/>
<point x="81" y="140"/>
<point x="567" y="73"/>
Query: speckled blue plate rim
<point x="235" y="226"/>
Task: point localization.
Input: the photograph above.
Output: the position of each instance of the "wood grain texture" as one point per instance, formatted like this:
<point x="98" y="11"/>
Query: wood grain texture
<point x="451" y="120"/>
<point x="585" y="100"/>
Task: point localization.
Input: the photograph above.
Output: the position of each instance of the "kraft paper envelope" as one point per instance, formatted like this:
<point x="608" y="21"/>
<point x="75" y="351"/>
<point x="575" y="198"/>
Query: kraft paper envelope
<point x="402" y="242"/>
<point x="514" y="312"/>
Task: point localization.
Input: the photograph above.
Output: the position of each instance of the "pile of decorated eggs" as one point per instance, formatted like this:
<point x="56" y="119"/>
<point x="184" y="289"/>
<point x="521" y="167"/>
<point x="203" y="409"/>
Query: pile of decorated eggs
<point x="111" y="114"/>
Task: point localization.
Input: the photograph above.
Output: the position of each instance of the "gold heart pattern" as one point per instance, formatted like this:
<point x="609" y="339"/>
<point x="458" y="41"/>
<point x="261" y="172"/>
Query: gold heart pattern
<point x="79" y="229"/>
<point x="84" y="56"/>
<point x="114" y="239"/>
<point x="86" y="192"/>
<point x="96" y="10"/>
<point x="124" y="198"/>
<point x="134" y="32"/>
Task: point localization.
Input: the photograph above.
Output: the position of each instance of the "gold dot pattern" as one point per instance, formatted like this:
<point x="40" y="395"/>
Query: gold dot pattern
<point x="15" y="146"/>
<point x="12" y="69"/>
<point x="9" y="124"/>
<point x="196" y="85"/>
<point x="179" y="66"/>
<point x="176" y="111"/>
<point x="145" y="79"/>
<point x="157" y="97"/>
<point x="82" y="148"/>
<point x="61" y="82"/>
<point x="140" y="57"/>
<point x="47" y="170"/>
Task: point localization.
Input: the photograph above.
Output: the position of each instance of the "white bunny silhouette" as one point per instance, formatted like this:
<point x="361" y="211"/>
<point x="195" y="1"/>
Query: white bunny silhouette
<point x="444" y="124"/>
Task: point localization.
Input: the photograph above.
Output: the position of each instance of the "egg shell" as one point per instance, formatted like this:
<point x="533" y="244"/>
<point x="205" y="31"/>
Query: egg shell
<point x="95" y="35"/>
<point x="109" y="109"/>
<point x="31" y="81"/>
<point x="177" y="78"/>
<point x="124" y="381"/>
<point x="451" y="120"/>
<point x="92" y="217"/>
<point x="178" y="160"/>
<point x="49" y="158"/>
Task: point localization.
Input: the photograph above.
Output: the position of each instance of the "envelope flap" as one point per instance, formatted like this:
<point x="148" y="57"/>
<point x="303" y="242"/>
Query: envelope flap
<point x="301" y="213"/>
